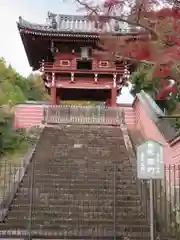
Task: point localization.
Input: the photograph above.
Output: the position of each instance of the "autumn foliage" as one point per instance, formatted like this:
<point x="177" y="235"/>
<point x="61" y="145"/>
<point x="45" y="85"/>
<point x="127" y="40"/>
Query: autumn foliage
<point x="156" y="41"/>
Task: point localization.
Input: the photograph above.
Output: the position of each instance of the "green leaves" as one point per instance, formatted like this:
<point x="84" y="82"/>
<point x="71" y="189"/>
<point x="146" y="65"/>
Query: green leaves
<point x="10" y="140"/>
<point x="15" y="89"/>
<point x="143" y="79"/>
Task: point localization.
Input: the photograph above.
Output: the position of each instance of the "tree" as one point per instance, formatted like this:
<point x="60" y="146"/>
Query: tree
<point x="157" y="44"/>
<point x="15" y="89"/>
<point x="142" y="79"/>
<point x="36" y="91"/>
<point x="10" y="140"/>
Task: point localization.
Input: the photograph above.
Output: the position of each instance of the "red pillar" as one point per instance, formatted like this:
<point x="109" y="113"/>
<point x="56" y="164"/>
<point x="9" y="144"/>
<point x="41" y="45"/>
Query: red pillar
<point x="53" y="96"/>
<point x="53" y="90"/>
<point x="114" y="92"/>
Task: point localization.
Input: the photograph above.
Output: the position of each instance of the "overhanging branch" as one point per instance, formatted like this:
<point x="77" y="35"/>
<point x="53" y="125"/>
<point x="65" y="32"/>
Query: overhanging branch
<point x="119" y="57"/>
<point x="117" y="18"/>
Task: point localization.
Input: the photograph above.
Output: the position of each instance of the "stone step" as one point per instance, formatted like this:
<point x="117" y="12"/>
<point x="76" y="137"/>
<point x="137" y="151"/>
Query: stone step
<point x="71" y="233"/>
<point x="81" y="193"/>
<point x="57" y="186"/>
<point x="78" y="182"/>
<point x="92" y="165"/>
<point x="66" y="205"/>
<point x="74" y="176"/>
<point x="103" y="158"/>
<point x="82" y="176"/>
<point x="133" y="207"/>
<point x="99" y="155"/>
<point x="81" y="183"/>
<point x="87" y="137"/>
<point x="74" y="224"/>
<point x="80" y="166"/>
<point x="93" y="159"/>
<point x="51" y="191"/>
<point x="77" y="197"/>
<point x="79" y="174"/>
<point x="87" y="163"/>
<point x="78" y="193"/>
<point x="129" y="216"/>
<point x="79" y="132"/>
<point x="83" y="221"/>
<point x="78" y="177"/>
<point x="88" y="144"/>
<point x="48" y="205"/>
<point x="95" y="232"/>
<point x="90" y="147"/>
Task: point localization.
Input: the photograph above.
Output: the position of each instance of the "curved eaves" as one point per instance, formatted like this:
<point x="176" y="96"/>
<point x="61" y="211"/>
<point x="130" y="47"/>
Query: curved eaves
<point x="77" y="26"/>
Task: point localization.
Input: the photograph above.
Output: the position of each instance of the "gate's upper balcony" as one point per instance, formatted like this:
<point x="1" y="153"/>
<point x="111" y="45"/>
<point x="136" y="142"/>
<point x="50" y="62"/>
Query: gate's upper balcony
<point x="68" y="34"/>
<point x="76" y="65"/>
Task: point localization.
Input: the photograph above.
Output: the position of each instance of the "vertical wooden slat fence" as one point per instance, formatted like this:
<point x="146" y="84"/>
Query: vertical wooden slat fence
<point x="166" y="196"/>
<point x="82" y="115"/>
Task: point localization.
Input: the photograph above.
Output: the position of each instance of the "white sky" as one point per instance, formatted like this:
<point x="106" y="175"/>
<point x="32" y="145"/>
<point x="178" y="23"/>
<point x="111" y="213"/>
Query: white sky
<point x="11" y="47"/>
<point x="125" y="96"/>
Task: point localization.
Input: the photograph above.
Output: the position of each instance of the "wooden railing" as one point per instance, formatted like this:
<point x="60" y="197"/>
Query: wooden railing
<point x="82" y="115"/>
<point x="54" y="67"/>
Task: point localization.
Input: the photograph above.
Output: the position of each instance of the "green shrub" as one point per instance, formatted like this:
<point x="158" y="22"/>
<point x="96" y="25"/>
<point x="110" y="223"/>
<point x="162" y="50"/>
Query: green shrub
<point x="10" y="139"/>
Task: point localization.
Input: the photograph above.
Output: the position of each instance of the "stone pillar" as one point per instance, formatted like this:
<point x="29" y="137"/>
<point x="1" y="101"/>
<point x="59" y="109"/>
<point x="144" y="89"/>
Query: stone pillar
<point x="114" y="92"/>
<point x="53" y="90"/>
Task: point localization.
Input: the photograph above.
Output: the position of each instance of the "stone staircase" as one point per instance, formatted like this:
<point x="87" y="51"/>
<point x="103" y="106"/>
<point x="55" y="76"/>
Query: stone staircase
<point x="79" y="185"/>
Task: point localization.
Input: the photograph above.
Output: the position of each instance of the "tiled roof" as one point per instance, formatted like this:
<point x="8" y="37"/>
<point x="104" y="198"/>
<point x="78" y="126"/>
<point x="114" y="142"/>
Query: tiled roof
<point x="76" y="23"/>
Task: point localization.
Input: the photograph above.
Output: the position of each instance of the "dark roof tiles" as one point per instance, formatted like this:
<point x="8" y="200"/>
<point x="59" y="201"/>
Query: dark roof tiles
<point x="77" y="23"/>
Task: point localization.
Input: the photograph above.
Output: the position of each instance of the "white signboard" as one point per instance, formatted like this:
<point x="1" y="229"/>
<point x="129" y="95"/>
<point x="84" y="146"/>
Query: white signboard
<point x="150" y="164"/>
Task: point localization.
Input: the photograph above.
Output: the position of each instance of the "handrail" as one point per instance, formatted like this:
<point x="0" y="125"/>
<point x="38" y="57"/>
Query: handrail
<point x="16" y="178"/>
<point x="153" y="104"/>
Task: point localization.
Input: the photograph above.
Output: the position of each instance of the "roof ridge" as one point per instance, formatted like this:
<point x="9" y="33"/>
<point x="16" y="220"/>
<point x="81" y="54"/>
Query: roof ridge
<point x="69" y="16"/>
<point x="72" y="17"/>
<point x="77" y="23"/>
